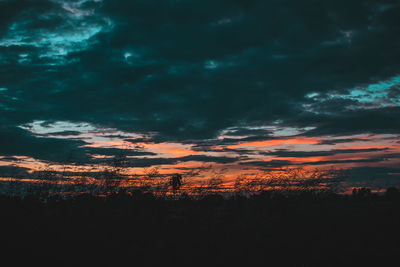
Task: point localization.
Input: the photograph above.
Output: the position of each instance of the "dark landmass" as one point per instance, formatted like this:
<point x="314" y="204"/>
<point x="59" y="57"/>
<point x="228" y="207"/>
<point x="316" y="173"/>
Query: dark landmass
<point x="268" y="229"/>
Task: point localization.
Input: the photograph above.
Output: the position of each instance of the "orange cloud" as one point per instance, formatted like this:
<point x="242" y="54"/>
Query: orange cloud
<point x="180" y="151"/>
<point x="276" y="142"/>
<point x="173" y="149"/>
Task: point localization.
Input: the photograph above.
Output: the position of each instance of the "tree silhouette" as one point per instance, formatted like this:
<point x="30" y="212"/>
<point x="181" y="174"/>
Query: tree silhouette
<point x="176" y="182"/>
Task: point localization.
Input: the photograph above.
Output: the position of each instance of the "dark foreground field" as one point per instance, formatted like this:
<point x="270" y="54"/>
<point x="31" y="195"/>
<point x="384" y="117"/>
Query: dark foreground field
<point x="265" y="230"/>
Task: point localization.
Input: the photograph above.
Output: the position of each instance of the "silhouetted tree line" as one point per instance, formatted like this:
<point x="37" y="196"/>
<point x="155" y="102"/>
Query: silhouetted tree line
<point x="293" y="218"/>
<point x="307" y="228"/>
<point x="112" y="179"/>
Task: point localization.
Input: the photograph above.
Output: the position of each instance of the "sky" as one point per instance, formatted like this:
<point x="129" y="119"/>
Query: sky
<point x="245" y="86"/>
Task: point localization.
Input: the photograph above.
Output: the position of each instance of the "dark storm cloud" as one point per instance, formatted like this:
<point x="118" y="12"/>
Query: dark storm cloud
<point x="11" y="10"/>
<point x="382" y="120"/>
<point x="187" y="70"/>
<point x="339" y="141"/>
<point x="268" y="164"/>
<point x="241" y="131"/>
<point x="115" y="151"/>
<point x="394" y="92"/>
<point x="19" y="142"/>
<point x="153" y="139"/>
<point x="302" y="154"/>
<point x="149" y="162"/>
<point x="338" y="162"/>
<point x="12" y="171"/>
<point x="66" y="133"/>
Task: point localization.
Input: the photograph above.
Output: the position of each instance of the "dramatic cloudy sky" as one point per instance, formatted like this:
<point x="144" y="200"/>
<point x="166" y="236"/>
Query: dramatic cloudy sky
<point x="174" y="84"/>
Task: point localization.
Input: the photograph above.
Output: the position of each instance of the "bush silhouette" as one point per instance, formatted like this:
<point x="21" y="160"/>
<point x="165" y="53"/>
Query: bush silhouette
<point x="362" y="192"/>
<point x="392" y="193"/>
